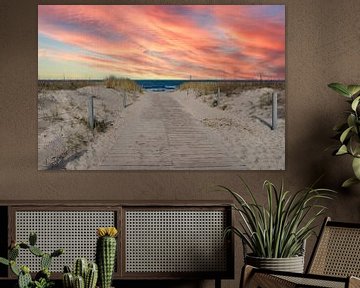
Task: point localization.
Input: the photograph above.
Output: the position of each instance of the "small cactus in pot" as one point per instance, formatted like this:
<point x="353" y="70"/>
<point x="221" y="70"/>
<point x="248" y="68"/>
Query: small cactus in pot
<point x="42" y="278"/>
<point x="85" y="275"/>
<point x="106" y="254"/>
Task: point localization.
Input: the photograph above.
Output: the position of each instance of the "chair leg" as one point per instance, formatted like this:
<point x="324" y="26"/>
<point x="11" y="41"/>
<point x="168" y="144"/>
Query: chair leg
<point x="246" y="274"/>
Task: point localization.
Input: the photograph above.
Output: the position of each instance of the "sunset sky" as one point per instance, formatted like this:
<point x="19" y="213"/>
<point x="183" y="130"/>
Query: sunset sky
<point x="161" y="41"/>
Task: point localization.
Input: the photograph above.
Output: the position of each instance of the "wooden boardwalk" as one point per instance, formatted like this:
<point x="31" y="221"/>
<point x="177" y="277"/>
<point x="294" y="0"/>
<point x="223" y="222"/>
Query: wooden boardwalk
<point x="159" y="135"/>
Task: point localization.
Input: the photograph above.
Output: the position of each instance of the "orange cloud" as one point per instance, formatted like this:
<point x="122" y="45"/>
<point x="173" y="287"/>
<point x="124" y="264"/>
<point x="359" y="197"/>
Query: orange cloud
<point x="167" y="41"/>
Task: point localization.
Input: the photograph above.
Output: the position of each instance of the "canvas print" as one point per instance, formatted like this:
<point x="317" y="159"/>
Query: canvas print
<point x="161" y="87"/>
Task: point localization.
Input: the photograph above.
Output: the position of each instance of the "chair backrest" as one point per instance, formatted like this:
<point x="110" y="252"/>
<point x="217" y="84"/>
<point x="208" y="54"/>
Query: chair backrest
<point x="337" y="251"/>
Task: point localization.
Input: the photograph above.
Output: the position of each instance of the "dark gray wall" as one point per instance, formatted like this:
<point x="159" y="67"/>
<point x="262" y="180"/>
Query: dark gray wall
<point x="322" y="46"/>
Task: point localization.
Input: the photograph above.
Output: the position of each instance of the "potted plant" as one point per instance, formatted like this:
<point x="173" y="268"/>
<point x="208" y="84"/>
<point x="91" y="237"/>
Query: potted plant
<point x="348" y="132"/>
<point x="84" y="274"/>
<point x="42" y="278"/>
<point x="276" y="233"/>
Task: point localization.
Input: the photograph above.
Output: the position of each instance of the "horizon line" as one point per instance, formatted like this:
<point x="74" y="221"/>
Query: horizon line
<point x="192" y="80"/>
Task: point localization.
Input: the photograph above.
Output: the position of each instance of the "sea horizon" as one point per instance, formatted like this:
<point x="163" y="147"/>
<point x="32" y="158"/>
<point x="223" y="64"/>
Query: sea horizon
<point x="161" y="85"/>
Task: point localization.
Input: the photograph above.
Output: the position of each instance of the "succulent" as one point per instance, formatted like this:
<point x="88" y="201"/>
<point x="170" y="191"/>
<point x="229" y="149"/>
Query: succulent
<point x="85" y="275"/>
<point x="68" y="278"/>
<point x="42" y="278"/>
<point x="79" y="282"/>
<point x="91" y="276"/>
<point x="45" y="261"/>
<point x="80" y="267"/>
<point x="42" y="283"/>
<point x="24" y="278"/>
<point x="106" y="254"/>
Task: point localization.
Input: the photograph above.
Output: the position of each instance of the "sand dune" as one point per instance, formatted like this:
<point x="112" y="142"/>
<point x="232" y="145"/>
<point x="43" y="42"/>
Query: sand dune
<point x="63" y="135"/>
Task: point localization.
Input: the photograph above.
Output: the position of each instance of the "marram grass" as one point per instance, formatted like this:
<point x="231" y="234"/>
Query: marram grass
<point x="229" y="87"/>
<point x="125" y="84"/>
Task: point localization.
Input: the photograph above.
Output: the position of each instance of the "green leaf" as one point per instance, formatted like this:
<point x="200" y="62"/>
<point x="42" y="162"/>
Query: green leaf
<point x="354" y="144"/>
<point x="340" y="88"/>
<point x="14" y="268"/>
<point x="279" y="228"/>
<point x="345" y="134"/>
<point x="355" y="103"/>
<point x="349" y="182"/>
<point x="4" y="261"/>
<point x="342" y="150"/>
<point x="353" y="89"/>
<point x="356" y="167"/>
<point x="351" y="120"/>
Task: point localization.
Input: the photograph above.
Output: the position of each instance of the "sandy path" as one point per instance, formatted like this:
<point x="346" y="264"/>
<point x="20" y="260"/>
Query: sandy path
<point x="157" y="133"/>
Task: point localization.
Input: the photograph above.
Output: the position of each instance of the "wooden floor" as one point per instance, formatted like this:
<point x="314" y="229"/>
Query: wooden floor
<point x="159" y="134"/>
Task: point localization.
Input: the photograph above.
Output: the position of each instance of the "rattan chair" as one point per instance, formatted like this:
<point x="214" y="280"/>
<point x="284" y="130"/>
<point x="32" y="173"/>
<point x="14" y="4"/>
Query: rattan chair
<point x="334" y="263"/>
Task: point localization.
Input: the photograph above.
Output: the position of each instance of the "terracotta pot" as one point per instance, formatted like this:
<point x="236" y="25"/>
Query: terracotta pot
<point x="291" y="264"/>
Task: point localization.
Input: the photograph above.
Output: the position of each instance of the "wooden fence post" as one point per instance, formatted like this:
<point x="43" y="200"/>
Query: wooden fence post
<point x="274" y="111"/>
<point x="216" y="98"/>
<point x="91" y="118"/>
<point x="124" y="99"/>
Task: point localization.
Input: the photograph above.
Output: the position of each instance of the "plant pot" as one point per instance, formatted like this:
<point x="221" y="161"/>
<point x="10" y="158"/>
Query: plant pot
<point x="291" y="264"/>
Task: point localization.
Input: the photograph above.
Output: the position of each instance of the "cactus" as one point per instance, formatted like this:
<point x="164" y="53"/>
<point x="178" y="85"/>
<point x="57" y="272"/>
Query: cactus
<point x="24" y="245"/>
<point x="42" y="274"/>
<point x="79" y="282"/>
<point x="24" y="278"/>
<point x="14" y="268"/>
<point x="13" y="253"/>
<point x="105" y="254"/>
<point x="80" y="267"/>
<point x="91" y="276"/>
<point x="36" y="251"/>
<point x="45" y="261"/>
<point x="32" y="239"/>
<point x="68" y="280"/>
<point x="57" y="252"/>
<point x="90" y="272"/>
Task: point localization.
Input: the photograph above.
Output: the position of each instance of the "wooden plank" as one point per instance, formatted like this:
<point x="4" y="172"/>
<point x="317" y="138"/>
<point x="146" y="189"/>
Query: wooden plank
<point x="164" y="136"/>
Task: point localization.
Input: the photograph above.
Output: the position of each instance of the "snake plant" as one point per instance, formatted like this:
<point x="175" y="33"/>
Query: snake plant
<point x="348" y="132"/>
<point x="279" y="228"/>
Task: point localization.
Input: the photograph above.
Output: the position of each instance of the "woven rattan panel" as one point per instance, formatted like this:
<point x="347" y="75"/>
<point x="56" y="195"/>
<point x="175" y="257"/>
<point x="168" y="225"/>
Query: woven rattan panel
<point x="338" y="253"/>
<point x="75" y="231"/>
<point x="312" y="282"/>
<point x="175" y="241"/>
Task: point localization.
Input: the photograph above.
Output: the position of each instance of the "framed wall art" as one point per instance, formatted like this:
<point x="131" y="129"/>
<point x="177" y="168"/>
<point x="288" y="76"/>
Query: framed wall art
<point x="161" y="87"/>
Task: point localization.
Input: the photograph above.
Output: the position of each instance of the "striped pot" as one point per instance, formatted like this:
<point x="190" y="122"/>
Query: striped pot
<point x="291" y="264"/>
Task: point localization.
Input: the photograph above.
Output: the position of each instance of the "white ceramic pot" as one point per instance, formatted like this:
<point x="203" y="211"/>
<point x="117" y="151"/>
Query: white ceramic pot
<point x="291" y="264"/>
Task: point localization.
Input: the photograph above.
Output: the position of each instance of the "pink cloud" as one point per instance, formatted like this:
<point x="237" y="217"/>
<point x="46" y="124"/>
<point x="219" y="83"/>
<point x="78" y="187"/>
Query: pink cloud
<point x="167" y="41"/>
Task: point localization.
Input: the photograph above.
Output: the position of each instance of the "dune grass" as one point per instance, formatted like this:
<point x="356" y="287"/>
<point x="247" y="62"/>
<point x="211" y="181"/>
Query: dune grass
<point x="65" y="84"/>
<point x="125" y="84"/>
<point x="229" y="87"/>
<point x="109" y="82"/>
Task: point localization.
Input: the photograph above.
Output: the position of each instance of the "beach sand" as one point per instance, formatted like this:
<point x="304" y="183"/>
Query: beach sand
<point x="173" y="130"/>
<point x="63" y="135"/>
